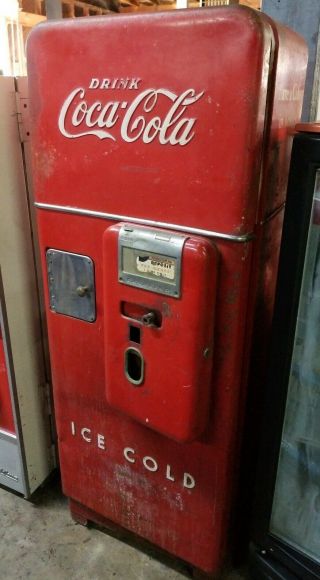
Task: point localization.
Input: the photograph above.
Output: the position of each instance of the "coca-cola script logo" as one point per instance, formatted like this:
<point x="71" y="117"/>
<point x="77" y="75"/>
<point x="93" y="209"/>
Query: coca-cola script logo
<point x="132" y="121"/>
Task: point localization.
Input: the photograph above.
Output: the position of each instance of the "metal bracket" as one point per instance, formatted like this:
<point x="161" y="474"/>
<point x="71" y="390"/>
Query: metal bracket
<point x="23" y="117"/>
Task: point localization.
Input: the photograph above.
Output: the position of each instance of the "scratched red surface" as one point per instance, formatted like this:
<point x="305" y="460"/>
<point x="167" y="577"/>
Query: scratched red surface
<point x="200" y="139"/>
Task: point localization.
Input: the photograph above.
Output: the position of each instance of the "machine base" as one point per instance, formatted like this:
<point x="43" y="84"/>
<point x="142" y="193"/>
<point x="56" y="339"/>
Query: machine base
<point x="262" y="567"/>
<point x="84" y="516"/>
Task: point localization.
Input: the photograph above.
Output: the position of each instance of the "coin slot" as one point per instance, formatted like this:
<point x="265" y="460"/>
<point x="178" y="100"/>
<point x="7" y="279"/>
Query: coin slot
<point x="134" y="334"/>
<point x="134" y="366"/>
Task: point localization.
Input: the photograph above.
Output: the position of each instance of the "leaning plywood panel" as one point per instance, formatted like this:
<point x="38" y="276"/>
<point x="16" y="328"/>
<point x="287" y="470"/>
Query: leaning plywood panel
<point x="24" y="385"/>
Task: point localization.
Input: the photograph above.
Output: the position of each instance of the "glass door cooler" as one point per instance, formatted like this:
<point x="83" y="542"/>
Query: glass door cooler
<point x="286" y="531"/>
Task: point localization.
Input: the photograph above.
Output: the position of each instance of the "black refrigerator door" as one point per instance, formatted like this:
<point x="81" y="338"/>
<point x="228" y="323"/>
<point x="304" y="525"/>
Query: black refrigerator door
<point x="286" y="536"/>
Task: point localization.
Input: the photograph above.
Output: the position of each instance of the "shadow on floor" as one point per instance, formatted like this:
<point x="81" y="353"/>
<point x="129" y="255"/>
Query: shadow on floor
<point x="39" y="540"/>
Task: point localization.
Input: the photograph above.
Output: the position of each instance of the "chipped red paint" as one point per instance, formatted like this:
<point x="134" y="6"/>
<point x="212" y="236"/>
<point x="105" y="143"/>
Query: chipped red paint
<point x="224" y="171"/>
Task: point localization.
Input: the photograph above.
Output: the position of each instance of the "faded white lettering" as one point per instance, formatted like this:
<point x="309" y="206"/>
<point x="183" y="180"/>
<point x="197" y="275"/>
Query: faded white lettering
<point x="128" y="452"/>
<point x="86" y="434"/>
<point x="90" y="436"/>
<point x="101" y="441"/>
<point x="94" y="83"/>
<point x="150" y="463"/>
<point x="188" y="481"/>
<point x="168" y="473"/>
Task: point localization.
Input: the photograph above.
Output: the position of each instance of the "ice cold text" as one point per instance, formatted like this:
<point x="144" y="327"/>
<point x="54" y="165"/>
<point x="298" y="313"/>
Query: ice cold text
<point x="131" y="456"/>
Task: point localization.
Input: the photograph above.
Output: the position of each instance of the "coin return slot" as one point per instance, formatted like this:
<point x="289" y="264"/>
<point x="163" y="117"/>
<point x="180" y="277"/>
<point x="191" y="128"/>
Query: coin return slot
<point x="134" y="334"/>
<point x="134" y="366"/>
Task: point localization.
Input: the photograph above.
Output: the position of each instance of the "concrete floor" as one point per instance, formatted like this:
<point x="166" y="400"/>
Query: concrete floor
<point x="40" y="541"/>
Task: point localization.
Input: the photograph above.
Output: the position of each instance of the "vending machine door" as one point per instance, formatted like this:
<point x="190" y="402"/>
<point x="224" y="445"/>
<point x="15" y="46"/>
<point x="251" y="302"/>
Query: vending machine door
<point x="291" y="516"/>
<point x="295" y="513"/>
<point x="159" y="288"/>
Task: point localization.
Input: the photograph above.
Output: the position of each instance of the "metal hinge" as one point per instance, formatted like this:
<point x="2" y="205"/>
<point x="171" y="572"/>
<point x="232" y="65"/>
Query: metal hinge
<point x="53" y="438"/>
<point x="53" y="456"/>
<point x="48" y="396"/>
<point x="22" y="103"/>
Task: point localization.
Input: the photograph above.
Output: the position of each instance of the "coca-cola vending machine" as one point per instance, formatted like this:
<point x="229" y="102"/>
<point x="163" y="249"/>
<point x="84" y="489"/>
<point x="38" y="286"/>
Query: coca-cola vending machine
<point x="160" y="168"/>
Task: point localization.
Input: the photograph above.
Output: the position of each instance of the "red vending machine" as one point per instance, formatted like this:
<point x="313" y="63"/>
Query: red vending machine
<point x="161" y="145"/>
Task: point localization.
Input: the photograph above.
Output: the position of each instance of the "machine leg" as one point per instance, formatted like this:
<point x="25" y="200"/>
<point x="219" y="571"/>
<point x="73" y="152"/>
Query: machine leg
<point x="77" y="514"/>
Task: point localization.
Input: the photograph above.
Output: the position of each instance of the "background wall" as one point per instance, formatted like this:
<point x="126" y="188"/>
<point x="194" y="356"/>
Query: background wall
<point x="303" y="16"/>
